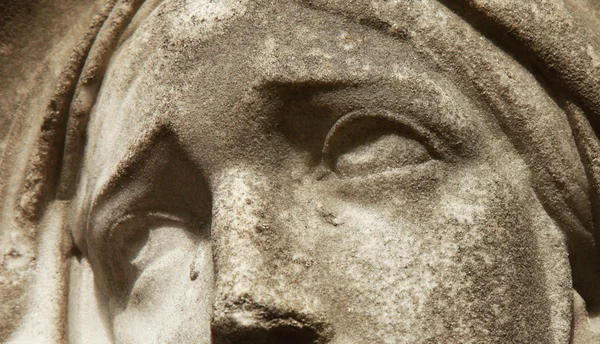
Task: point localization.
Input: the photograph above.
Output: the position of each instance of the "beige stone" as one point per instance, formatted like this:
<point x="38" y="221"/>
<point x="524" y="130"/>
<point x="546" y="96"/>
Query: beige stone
<point x="270" y="171"/>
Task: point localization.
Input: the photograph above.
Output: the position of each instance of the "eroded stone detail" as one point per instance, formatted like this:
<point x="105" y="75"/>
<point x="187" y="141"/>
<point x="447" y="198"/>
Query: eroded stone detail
<point x="307" y="172"/>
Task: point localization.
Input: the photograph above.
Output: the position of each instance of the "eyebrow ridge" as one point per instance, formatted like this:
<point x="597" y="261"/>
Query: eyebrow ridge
<point x="158" y="130"/>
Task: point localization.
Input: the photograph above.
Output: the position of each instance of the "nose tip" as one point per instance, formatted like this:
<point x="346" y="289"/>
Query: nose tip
<point x="244" y="321"/>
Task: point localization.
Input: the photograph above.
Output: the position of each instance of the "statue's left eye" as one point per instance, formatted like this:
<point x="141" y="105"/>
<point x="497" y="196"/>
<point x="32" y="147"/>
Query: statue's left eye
<point x="365" y="143"/>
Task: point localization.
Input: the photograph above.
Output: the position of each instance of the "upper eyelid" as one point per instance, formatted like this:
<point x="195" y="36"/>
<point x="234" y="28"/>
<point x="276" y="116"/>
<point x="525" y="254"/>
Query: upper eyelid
<point x="142" y="215"/>
<point x="415" y="128"/>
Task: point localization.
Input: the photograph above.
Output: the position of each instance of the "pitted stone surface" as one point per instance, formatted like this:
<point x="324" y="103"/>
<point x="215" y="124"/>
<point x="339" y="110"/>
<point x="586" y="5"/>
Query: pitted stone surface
<point x="261" y="171"/>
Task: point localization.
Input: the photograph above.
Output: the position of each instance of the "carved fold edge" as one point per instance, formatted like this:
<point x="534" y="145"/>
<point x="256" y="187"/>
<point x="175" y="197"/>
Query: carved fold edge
<point x="44" y="161"/>
<point x="564" y="49"/>
<point x="86" y="92"/>
<point x="589" y="150"/>
<point x="65" y="118"/>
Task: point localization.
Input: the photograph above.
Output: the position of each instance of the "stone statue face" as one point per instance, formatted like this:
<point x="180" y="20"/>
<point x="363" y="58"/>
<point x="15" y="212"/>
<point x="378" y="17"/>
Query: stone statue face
<point x="322" y="171"/>
<point x="291" y="174"/>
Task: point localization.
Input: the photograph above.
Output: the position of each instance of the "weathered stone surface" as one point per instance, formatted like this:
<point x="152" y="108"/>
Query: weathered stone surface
<point x="318" y="171"/>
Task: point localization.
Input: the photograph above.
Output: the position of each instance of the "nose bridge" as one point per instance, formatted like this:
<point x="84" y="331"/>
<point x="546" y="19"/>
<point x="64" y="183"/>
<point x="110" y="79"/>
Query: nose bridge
<point x="252" y="304"/>
<point x="238" y="202"/>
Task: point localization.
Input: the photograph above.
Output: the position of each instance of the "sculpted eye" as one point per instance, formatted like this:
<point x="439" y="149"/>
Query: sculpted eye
<point x="140" y="242"/>
<point x="364" y="143"/>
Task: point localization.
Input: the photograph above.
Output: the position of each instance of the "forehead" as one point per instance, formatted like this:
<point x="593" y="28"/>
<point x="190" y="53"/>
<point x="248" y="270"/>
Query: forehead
<point x="194" y="62"/>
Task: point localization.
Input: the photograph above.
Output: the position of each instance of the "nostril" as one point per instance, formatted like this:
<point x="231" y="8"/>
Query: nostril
<point x="249" y="323"/>
<point x="280" y="333"/>
<point x="292" y="335"/>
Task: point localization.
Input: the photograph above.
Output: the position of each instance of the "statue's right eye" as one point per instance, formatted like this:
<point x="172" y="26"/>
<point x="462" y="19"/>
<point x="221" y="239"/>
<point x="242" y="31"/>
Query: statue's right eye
<point x="140" y="242"/>
<point x="369" y="142"/>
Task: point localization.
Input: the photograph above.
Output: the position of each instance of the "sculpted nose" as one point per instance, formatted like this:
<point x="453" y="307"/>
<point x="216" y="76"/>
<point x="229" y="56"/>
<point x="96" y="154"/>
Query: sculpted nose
<point x="244" y="321"/>
<point x="255" y="302"/>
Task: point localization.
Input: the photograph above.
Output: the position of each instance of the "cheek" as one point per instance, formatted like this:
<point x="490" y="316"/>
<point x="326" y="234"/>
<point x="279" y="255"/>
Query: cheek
<point x="463" y="263"/>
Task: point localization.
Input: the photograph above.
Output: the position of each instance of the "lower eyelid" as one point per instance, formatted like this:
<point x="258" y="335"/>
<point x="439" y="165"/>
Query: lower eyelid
<point x="387" y="151"/>
<point x="354" y="186"/>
